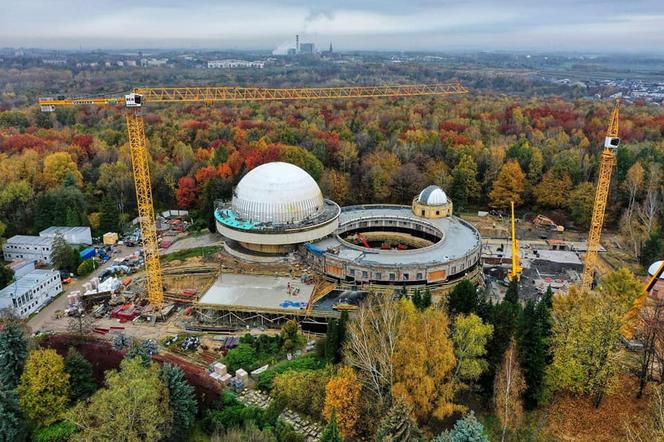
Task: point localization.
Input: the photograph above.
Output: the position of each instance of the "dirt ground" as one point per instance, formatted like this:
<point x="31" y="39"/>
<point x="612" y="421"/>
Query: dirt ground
<point x="575" y="419"/>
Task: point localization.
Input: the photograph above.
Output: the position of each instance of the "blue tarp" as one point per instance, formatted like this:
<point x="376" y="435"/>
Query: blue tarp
<point x="88" y="253"/>
<point x="313" y="249"/>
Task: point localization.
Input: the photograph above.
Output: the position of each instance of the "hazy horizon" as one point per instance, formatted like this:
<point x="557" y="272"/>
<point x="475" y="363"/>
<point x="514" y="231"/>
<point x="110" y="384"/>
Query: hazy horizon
<point x="420" y="25"/>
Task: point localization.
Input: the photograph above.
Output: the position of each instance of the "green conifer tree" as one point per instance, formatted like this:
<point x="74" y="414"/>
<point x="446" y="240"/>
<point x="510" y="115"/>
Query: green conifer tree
<point x="12" y="425"/>
<point x="417" y="299"/>
<point x="332" y="340"/>
<point x="426" y="299"/>
<point x="13" y="353"/>
<point x="81" y="380"/>
<point x="532" y="356"/>
<point x="182" y="401"/>
<point x="331" y="432"/>
<point x="512" y="293"/>
<point x="398" y="425"/>
<point x="463" y="299"/>
<point x="468" y="429"/>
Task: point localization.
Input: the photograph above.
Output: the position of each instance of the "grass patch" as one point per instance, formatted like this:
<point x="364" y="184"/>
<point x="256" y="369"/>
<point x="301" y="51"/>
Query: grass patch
<point x="181" y="255"/>
<point x="306" y="362"/>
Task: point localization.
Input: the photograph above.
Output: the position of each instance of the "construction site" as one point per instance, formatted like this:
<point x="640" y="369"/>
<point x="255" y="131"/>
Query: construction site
<point x="282" y="251"/>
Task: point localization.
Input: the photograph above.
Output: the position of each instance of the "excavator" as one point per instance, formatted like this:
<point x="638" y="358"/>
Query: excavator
<point x="138" y="98"/>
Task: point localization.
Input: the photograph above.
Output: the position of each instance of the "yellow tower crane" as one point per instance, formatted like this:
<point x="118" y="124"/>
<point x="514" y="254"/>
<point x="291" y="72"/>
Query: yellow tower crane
<point x="607" y="162"/>
<point x="139" y="97"/>
<point x="516" y="259"/>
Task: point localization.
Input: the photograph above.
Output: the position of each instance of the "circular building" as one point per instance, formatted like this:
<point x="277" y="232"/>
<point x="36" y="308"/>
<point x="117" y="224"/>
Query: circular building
<point x="274" y="207"/>
<point x="424" y="244"/>
<point x="432" y="202"/>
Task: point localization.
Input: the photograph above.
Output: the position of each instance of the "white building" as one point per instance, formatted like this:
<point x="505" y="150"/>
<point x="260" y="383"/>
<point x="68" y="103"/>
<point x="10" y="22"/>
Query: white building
<point x="21" y="267"/>
<point x="29" y="248"/>
<point x="72" y="235"/>
<point x="232" y="64"/>
<point x="31" y="292"/>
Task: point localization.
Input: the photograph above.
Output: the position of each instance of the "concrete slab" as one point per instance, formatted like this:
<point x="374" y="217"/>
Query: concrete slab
<point x="258" y="291"/>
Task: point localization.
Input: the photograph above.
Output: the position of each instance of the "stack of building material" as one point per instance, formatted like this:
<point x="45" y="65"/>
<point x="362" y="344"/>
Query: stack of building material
<point x="242" y="375"/>
<point x="226" y="379"/>
<point x="110" y="238"/>
<point x="126" y="312"/>
<point x="237" y="384"/>
<point x="220" y="368"/>
<point x="216" y="376"/>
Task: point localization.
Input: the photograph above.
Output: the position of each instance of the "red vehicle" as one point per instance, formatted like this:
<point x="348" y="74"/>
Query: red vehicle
<point x="67" y="280"/>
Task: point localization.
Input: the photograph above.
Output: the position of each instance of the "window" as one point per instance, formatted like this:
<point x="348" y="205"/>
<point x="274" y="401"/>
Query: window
<point x="437" y="212"/>
<point x="422" y="212"/>
<point x="420" y="276"/>
<point x="365" y="275"/>
<point x="352" y="272"/>
<point x="377" y="275"/>
<point x="393" y="277"/>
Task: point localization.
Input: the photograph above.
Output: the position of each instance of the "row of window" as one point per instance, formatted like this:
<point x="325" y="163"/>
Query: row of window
<point x="378" y="276"/>
<point x="27" y="248"/>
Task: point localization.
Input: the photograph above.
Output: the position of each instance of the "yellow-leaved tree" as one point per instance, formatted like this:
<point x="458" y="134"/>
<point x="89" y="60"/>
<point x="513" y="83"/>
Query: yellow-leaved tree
<point x="508" y="186"/>
<point x="59" y="167"/>
<point x="424" y="363"/>
<point x="586" y="336"/>
<point x="553" y="191"/>
<point x="43" y="390"/>
<point x="343" y="393"/>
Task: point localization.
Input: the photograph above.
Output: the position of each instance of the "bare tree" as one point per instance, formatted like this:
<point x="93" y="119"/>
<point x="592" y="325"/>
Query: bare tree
<point x="652" y="203"/>
<point x="650" y="331"/>
<point x="80" y="324"/>
<point x="371" y="343"/>
<point x="508" y="387"/>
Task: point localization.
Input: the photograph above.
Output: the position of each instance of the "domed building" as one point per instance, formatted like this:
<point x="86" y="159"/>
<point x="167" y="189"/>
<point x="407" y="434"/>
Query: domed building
<point x="275" y="207"/>
<point x="432" y="203"/>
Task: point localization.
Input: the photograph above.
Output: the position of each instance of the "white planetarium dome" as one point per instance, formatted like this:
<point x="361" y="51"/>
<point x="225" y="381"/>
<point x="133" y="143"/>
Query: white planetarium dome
<point x="278" y="193"/>
<point x="654" y="267"/>
<point x="432" y="196"/>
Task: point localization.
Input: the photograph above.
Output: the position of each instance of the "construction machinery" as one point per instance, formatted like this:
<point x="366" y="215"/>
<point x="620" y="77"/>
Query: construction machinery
<point x="139" y="97"/>
<point x="548" y="223"/>
<point x="607" y="163"/>
<point x="516" y="259"/>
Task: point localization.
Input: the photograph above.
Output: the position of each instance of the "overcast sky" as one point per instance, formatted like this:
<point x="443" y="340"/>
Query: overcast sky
<point x="552" y="25"/>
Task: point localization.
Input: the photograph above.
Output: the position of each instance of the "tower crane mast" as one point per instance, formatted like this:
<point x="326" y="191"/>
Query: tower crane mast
<point x="607" y="163"/>
<point x="516" y="259"/>
<point x="134" y="101"/>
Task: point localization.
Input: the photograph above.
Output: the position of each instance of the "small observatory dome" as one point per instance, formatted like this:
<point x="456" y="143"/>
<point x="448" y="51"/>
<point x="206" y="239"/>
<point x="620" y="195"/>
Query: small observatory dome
<point x="432" y="196"/>
<point x="279" y="193"/>
<point x="432" y="202"/>
<point x="654" y="267"/>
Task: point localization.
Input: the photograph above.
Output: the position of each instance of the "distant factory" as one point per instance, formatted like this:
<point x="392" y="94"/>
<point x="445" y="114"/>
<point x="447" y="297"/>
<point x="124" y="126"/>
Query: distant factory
<point x="301" y="48"/>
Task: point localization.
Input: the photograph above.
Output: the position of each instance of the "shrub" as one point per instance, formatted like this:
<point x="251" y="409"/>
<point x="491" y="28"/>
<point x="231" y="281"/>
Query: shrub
<point x="58" y="432"/>
<point x="86" y="267"/>
<point x="308" y="362"/>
